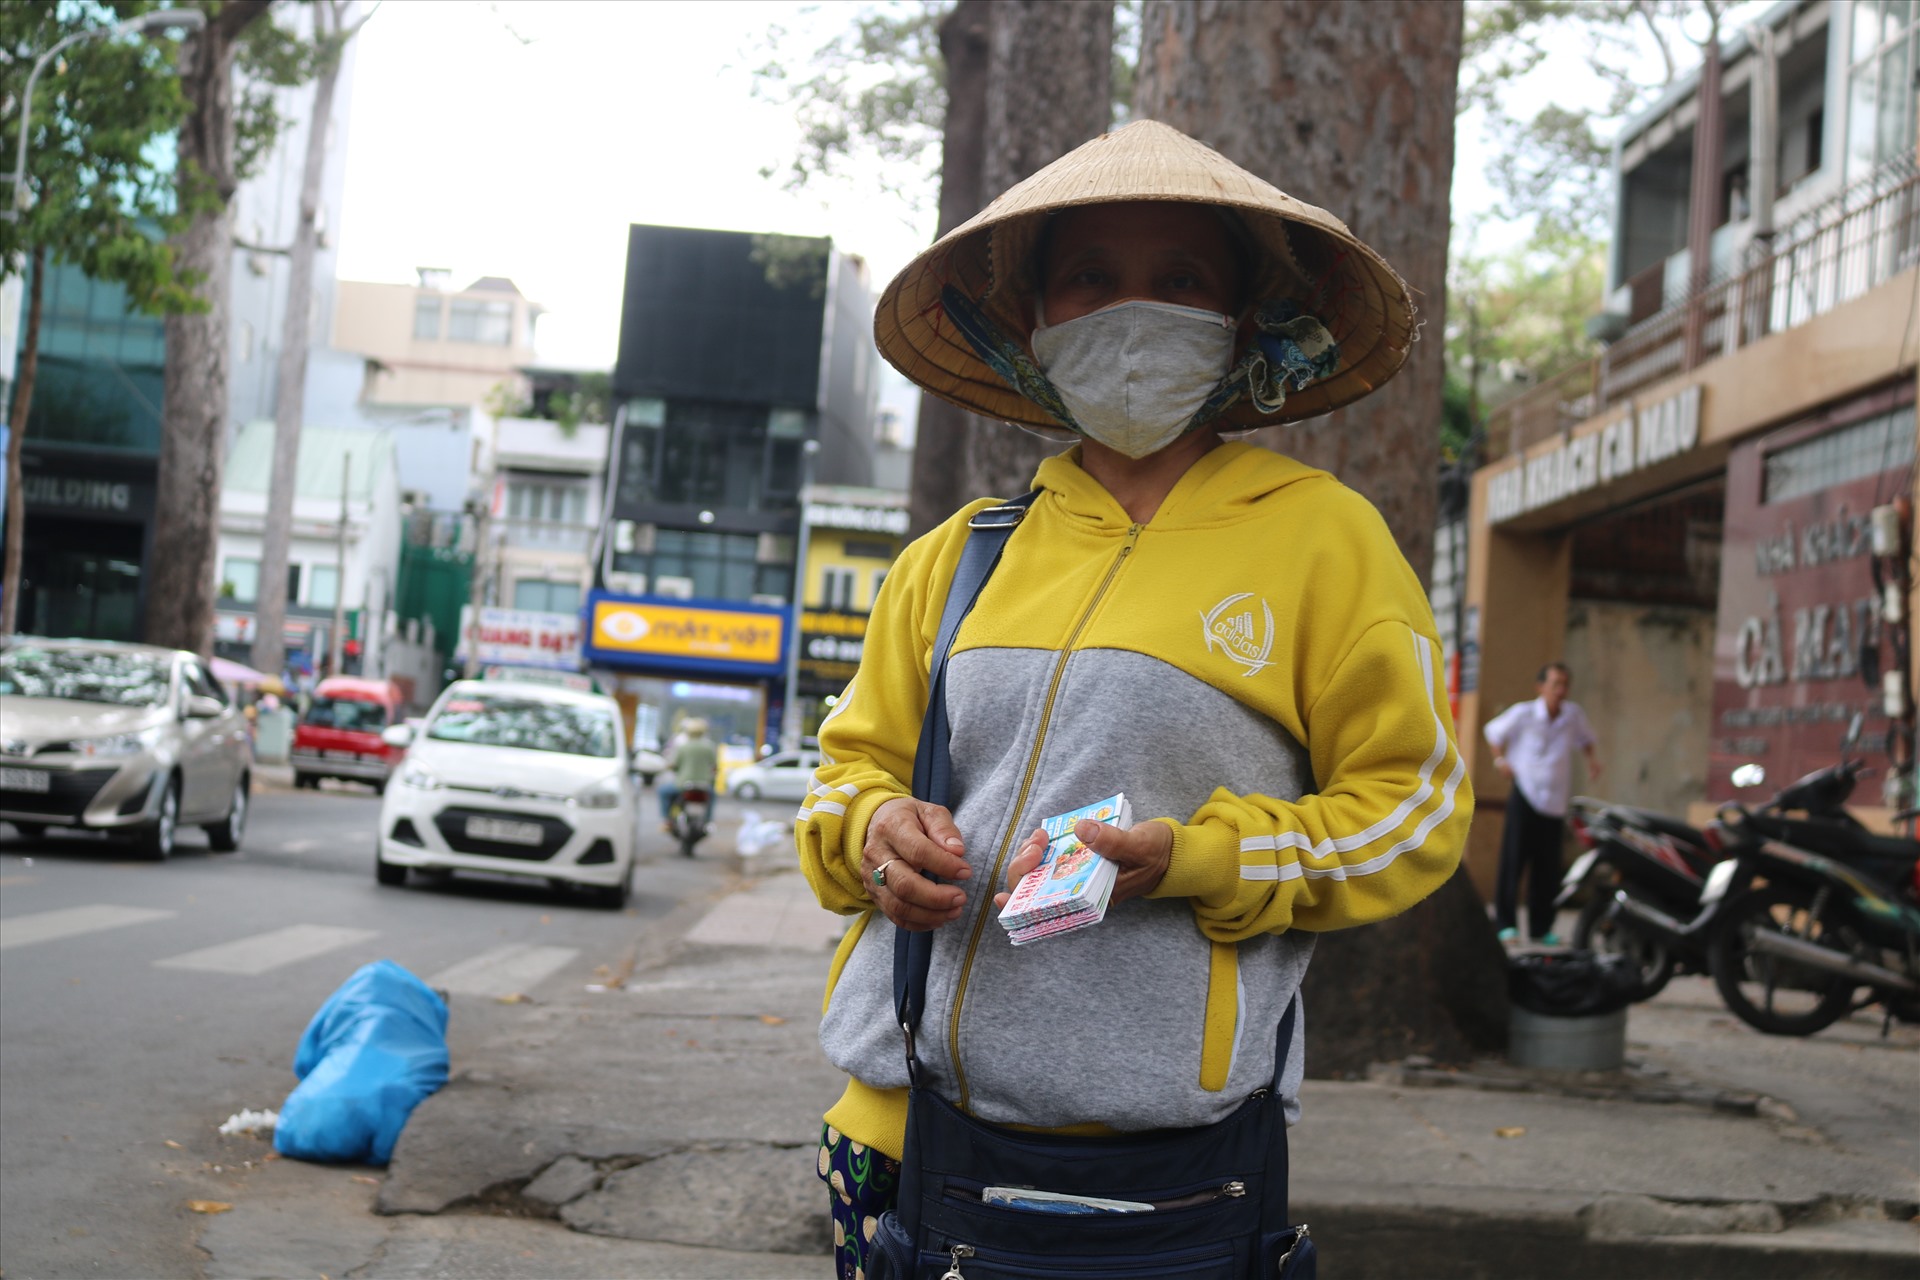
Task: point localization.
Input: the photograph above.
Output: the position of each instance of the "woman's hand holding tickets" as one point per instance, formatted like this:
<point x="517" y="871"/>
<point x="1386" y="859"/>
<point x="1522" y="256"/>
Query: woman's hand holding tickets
<point x="913" y="840"/>
<point x="1141" y="853"/>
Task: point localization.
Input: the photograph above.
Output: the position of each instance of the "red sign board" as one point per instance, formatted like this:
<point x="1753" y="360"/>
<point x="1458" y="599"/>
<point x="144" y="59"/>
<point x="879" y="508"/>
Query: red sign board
<point x="1797" y="608"/>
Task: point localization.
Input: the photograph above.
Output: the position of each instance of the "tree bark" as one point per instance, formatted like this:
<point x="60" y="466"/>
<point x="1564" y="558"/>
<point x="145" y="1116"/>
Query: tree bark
<point x="1348" y="104"/>
<point x="941" y="437"/>
<point x="186" y="529"/>
<point x="1027" y="82"/>
<point x="270" y="609"/>
<point x="16" y="439"/>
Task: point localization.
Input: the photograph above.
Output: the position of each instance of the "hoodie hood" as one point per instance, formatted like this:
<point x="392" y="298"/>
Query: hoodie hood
<point x="1223" y="487"/>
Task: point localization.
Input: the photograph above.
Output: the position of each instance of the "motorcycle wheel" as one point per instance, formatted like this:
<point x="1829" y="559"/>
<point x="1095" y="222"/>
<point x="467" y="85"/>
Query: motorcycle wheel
<point x="1773" y="993"/>
<point x="689" y="837"/>
<point x="1600" y="929"/>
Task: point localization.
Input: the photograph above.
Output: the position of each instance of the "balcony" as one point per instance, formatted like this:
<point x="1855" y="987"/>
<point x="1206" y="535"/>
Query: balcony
<point x="547" y="535"/>
<point x="1860" y="239"/>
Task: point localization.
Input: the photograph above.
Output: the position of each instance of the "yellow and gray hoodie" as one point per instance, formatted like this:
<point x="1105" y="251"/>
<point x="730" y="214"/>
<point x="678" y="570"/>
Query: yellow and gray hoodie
<point x="1258" y="668"/>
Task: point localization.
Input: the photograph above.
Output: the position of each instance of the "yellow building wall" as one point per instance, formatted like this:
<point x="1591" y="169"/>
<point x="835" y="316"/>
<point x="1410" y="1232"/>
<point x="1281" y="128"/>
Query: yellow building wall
<point x="827" y="549"/>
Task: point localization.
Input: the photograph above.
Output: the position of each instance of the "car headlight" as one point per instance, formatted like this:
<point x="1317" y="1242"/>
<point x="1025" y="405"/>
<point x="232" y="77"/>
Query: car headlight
<point x="414" y="776"/>
<point x="119" y="744"/>
<point x="604" y="794"/>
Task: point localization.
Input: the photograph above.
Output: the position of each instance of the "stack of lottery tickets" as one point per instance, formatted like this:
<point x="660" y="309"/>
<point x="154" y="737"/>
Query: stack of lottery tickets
<point x="1070" y="888"/>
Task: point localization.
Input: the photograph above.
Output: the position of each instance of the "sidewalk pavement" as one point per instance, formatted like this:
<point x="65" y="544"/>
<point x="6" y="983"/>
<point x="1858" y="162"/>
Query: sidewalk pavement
<point x="671" y="1124"/>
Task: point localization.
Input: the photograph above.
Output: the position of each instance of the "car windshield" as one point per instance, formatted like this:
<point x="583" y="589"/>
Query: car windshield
<point x="352" y="714"/>
<point x="527" y="723"/>
<point x="86" y="675"/>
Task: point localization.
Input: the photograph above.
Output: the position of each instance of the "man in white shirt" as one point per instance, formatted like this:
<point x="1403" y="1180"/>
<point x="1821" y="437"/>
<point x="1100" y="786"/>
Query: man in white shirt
<point x="1533" y="744"/>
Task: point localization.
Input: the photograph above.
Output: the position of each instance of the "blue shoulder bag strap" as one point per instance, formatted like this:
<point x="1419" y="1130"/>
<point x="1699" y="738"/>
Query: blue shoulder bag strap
<point x="932" y="766"/>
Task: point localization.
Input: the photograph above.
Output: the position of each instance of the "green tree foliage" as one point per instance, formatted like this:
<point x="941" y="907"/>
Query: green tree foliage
<point x="874" y="96"/>
<point x="874" y="90"/>
<point x="1551" y="167"/>
<point x="1516" y="317"/>
<point x="99" y="147"/>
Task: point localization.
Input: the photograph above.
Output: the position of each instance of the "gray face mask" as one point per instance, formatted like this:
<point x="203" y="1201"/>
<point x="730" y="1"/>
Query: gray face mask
<point x="1135" y="373"/>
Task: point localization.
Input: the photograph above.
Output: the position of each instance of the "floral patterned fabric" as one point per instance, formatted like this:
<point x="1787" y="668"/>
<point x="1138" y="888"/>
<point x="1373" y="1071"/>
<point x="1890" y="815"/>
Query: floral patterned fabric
<point x="864" y="1184"/>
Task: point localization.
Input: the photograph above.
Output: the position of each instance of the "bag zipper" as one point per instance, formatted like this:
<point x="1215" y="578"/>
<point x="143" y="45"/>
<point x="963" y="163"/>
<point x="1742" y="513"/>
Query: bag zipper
<point x="1232" y="1189"/>
<point x="1020" y="804"/>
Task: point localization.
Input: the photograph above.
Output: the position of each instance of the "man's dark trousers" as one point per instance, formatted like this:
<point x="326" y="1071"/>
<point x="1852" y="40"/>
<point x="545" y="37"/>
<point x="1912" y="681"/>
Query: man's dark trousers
<point x="1531" y="842"/>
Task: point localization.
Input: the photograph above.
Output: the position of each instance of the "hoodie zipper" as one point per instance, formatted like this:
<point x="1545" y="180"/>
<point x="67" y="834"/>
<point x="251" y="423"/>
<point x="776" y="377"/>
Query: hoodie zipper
<point x="1026" y="788"/>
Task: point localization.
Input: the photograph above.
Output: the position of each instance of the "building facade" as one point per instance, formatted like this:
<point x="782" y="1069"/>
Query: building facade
<point x="427" y="344"/>
<point x="853" y="536"/>
<point x="344" y="552"/>
<point x="746" y="372"/>
<point x="1712" y="521"/>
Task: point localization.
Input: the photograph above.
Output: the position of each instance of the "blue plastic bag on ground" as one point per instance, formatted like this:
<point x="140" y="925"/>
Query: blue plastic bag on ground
<point x="376" y="1048"/>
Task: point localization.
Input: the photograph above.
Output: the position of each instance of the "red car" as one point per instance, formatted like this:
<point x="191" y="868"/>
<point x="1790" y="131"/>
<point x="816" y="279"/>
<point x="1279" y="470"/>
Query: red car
<point x="339" y="737"/>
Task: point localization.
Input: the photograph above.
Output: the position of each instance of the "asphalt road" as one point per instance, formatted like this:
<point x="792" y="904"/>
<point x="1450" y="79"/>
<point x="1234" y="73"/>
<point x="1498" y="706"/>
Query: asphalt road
<point x="143" y="1004"/>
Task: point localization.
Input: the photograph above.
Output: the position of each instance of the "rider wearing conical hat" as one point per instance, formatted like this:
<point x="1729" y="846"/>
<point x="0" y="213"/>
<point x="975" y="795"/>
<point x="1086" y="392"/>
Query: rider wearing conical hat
<point x="1226" y="635"/>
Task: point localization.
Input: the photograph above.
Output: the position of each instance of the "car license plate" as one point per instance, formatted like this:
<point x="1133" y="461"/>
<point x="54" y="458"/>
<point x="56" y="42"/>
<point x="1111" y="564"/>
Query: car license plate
<point x="341" y="755"/>
<point x="503" y="832"/>
<point x="36" y="780"/>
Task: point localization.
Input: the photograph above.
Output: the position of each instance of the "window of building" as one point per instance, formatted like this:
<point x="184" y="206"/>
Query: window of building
<point x="836" y="589"/>
<point x="323" y="585"/>
<point x="869" y="550"/>
<point x="470" y="320"/>
<point x="293" y="584"/>
<point x="721" y="566"/>
<point x="711" y="455"/>
<point x="1864" y="449"/>
<point x="549" y="501"/>
<point x="879" y="580"/>
<point x="546" y="597"/>
<point x="426" y="317"/>
<point x="240" y="579"/>
<point x="1880" y="88"/>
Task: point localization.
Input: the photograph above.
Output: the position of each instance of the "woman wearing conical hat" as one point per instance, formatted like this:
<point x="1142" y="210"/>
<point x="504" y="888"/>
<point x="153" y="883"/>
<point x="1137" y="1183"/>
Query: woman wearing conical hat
<point x="1228" y="636"/>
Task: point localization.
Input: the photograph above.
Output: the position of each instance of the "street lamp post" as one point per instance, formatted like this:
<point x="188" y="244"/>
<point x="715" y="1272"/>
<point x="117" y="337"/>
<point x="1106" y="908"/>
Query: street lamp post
<point x="155" y="20"/>
<point x="790" y="728"/>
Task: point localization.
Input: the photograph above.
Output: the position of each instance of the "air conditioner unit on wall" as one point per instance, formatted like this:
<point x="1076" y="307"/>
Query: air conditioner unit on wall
<point x="627" y="584"/>
<point x="677" y="588"/>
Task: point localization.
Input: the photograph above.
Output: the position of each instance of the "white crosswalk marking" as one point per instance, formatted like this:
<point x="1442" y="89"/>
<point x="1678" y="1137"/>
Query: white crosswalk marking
<point x="503" y="971"/>
<point x="71" y="922"/>
<point x="265" y="951"/>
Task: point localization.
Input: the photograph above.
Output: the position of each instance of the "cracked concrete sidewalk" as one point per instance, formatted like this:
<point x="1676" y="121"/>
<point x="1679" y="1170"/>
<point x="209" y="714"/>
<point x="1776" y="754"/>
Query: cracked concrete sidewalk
<point x="668" y="1129"/>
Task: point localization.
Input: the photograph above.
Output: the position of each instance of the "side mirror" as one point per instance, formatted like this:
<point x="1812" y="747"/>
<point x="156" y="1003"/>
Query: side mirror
<point x="397" y="735"/>
<point x="202" y="707"/>
<point x="1749" y="775"/>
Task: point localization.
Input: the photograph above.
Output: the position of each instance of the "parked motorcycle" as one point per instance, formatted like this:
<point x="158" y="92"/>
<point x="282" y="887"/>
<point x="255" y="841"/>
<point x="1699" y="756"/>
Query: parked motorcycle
<point x="1825" y="918"/>
<point x="1643" y="874"/>
<point x="691" y="816"/>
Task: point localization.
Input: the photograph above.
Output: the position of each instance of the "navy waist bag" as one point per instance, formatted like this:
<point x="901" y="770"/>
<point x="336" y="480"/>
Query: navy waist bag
<point x="1218" y="1193"/>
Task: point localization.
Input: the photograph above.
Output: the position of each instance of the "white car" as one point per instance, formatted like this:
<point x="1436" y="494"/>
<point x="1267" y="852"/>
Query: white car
<point x="517" y="779"/>
<point x="785" y="775"/>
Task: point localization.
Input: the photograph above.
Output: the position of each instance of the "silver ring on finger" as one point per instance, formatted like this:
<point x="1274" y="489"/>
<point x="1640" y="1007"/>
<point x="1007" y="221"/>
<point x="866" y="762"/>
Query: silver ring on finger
<point x="880" y="872"/>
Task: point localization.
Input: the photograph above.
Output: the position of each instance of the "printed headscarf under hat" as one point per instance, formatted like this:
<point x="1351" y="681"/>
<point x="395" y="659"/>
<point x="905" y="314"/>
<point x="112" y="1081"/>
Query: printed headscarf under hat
<point x="1331" y="320"/>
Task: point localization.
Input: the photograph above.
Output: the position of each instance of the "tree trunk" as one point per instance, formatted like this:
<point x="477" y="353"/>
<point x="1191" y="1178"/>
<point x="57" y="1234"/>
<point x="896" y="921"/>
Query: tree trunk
<point x="270" y="609"/>
<point x="1348" y="104"/>
<point x="944" y="430"/>
<point x="186" y="527"/>
<point x="1049" y="89"/>
<point x="1027" y="82"/>
<point x="16" y="439"/>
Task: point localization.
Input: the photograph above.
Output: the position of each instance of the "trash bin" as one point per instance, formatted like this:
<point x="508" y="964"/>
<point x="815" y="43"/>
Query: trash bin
<point x="1569" y="1010"/>
<point x="273" y="735"/>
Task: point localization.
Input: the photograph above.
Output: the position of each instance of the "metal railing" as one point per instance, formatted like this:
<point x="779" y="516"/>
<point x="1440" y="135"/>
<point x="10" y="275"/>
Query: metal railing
<point x="1830" y="264"/>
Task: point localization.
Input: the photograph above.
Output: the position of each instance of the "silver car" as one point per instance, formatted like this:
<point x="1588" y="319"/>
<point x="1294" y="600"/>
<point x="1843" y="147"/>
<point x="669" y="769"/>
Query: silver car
<point x="126" y="738"/>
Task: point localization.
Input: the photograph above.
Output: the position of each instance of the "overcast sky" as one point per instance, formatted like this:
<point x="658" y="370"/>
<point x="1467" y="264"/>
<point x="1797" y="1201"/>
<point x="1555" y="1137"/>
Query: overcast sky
<point x="521" y="138"/>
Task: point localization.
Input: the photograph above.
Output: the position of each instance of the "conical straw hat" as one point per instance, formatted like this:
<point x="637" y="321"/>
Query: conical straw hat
<point x="1306" y="253"/>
